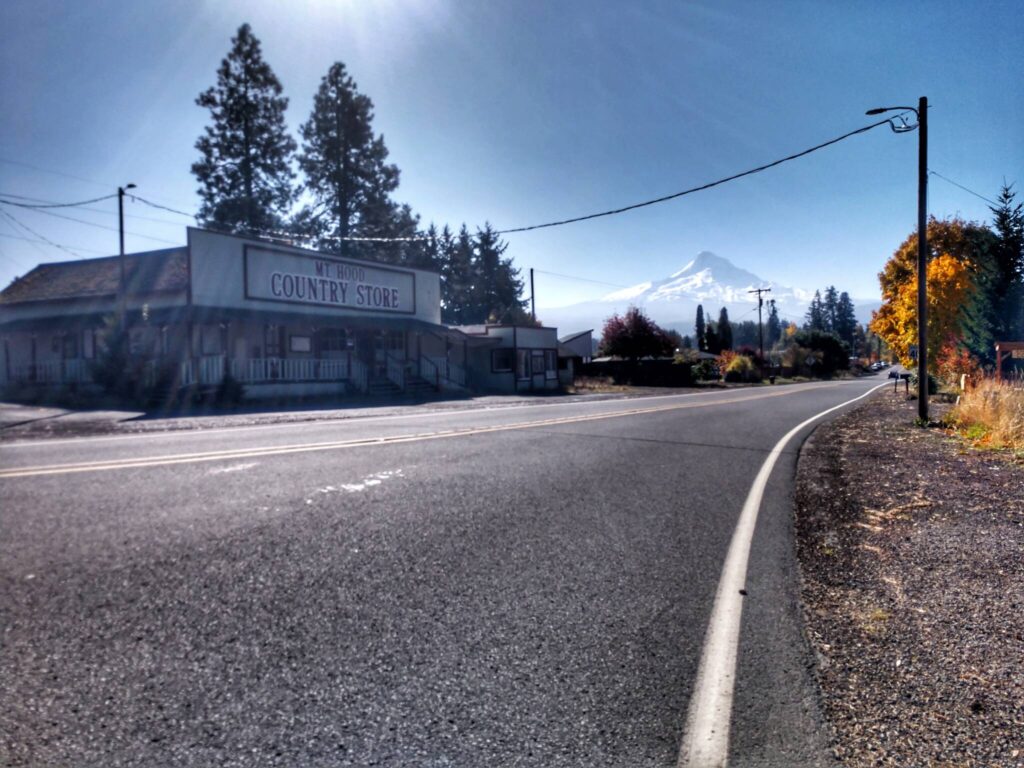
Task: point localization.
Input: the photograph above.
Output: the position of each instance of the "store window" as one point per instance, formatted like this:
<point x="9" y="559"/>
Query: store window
<point x="523" y="363"/>
<point x="331" y="340"/>
<point x="502" y="360"/>
<point x="550" y="364"/>
<point x="210" y="341"/>
<point x="69" y="347"/>
<point x="300" y="344"/>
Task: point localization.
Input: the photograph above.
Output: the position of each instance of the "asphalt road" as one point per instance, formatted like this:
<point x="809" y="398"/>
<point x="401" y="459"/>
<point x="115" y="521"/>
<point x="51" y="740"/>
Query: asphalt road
<point x="524" y="586"/>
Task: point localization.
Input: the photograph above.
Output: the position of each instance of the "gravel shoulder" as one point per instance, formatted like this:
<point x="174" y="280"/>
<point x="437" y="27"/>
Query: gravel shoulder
<point x="911" y="548"/>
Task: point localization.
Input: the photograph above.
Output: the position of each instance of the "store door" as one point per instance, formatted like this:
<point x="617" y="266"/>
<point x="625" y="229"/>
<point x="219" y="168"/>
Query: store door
<point x="537" y="369"/>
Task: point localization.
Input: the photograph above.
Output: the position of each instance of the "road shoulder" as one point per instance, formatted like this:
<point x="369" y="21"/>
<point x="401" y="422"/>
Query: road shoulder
<point x="912" y="583"/>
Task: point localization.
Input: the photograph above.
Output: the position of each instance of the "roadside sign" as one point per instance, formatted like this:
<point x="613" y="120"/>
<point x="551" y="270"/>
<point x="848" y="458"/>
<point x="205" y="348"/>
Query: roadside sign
<point x="811" y="360"/>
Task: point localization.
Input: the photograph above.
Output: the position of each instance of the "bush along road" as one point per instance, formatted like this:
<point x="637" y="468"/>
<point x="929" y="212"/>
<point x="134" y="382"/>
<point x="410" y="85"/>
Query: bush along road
<point x="910" y="549"/>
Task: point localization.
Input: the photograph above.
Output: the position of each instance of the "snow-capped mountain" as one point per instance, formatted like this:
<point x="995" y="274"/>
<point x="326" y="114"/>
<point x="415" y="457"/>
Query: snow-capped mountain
<point x="709" y="280"/>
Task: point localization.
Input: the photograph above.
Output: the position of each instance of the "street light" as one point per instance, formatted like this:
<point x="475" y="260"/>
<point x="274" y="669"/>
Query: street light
<point x="922" y="239"/>
<point x="122" y="286"/>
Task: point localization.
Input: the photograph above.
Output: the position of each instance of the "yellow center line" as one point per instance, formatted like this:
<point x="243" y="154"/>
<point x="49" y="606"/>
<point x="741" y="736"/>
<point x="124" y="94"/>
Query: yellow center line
<point x="248" y="453"/>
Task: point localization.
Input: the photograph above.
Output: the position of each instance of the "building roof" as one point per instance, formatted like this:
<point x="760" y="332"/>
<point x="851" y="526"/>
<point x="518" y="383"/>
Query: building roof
<point x="571" y="336"/>
<point x="148" y="272"/>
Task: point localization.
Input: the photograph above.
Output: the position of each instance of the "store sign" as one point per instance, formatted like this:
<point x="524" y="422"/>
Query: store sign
<point x="300" y="279"/>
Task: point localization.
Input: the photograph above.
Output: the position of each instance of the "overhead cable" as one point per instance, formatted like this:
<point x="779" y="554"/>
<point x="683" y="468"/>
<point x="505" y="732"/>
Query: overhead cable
<point x="59" y="205"/>
<point x="46" y="240"/>
<point x="36" y="240"/>
<point x="94" y="210"/>
<point x="581" y="279"/>
<point x="965" y="189"/>
<point x="99" y="226"/>
<point x="701" y="188"/>
<point x="151" y="204"/>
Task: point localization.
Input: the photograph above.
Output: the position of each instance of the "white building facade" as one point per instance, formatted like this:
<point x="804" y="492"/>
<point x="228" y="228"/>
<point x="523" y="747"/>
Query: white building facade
<point x="280" y="320"/>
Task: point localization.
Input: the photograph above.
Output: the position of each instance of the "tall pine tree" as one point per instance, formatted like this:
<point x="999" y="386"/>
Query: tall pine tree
<point x="814" y="320"/>
<point x="1008" y="222"/>
<point x="244" y="174"/>
<point x="348" y="176"/>
<point x="773" y="328"/>
<point x="457" y="277"/>
<point x="846" y="320"/>
<point x="701" y="332"/>
<point x="724" y="329"/>
<point x="830" y="309"/>
<point x="497" y="286"/>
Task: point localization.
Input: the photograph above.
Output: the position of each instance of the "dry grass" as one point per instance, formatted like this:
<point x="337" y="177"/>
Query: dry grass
<point x="602" y="384"/>
<point x="992" y="413"/>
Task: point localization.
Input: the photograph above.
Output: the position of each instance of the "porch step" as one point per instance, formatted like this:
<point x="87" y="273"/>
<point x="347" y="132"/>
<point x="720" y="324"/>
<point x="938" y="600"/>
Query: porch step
<point x="382" y="387"/>
<point x="414" y="385"/>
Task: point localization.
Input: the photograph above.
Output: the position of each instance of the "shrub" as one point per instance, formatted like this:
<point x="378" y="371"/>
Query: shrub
<point x="827" y="349"/>
<point x="742" y="368"/>
<point x="706" y="370"/>
<point x="933" y="384"/>
<point x="954" y="360"/>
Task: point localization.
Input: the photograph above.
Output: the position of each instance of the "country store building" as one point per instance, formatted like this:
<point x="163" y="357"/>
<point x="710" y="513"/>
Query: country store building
<point x="283" y="321"/>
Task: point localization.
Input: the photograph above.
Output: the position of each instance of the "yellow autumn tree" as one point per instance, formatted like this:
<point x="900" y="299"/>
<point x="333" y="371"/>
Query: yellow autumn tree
<point x="949" y="289"/>
<point x="959" y="254"/>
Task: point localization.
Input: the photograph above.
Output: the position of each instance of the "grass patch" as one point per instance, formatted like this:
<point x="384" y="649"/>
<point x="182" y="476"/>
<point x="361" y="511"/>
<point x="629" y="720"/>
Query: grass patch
<point x="991" y="415"/>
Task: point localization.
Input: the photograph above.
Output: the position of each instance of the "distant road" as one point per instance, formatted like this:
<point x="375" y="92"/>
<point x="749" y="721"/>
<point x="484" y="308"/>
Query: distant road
<point x="511" y="586"/>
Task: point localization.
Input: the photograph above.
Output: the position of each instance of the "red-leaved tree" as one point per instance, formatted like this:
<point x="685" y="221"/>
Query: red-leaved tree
<point x="634" y="335"/>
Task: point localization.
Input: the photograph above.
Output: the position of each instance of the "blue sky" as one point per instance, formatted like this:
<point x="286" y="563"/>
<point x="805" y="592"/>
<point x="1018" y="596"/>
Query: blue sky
<point x="522" y="112"/>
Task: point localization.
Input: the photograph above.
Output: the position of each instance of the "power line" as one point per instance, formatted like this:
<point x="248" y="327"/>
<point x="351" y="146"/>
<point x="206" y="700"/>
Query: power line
<point x="98" y="226"/>
<point x="41" y="237"/>
<point x="529" y="228"/>
<point x="33" y="240"/>
<point x="96" y="210"/>
<point x="291" y="235"/>
<point x="701" y="188"/>
<point x="151" y="204"/>
<point x="59" y="205"/>
<point x="965" y="189"/>
<point x="581" y="279"/>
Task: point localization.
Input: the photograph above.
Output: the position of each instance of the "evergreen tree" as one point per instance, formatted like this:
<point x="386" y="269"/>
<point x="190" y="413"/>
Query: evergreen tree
<point x="424" y="253"/>
<point x="773" y="328"/>
<point x="846" y="320"/>
<point x="348" y="176"/>
<point x="244" y="174"/>
<point x="702" y="339"/>
<point x="1008" y="222"/>
<point x="814" y="320"/>
<point x="713" y="343"/>
<point x="498" y="288"/>
<point x="457" y="277"/>
<point x="745" y="334"/>
<point x="724" y="329"/>
<point x="830" y="309"/>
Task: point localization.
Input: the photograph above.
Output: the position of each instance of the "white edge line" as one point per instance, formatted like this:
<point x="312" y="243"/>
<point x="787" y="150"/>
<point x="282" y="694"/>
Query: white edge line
<point x="705" y="742"/>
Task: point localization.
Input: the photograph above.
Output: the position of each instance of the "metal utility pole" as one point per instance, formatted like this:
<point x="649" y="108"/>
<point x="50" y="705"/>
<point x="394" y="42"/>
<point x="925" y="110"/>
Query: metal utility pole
<point x="922" y="260"/>
<point x="533" y="298"/>
<point x="122" y="303"/>
<point x="760" y="328"/>
<point x="922" y="240"/>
